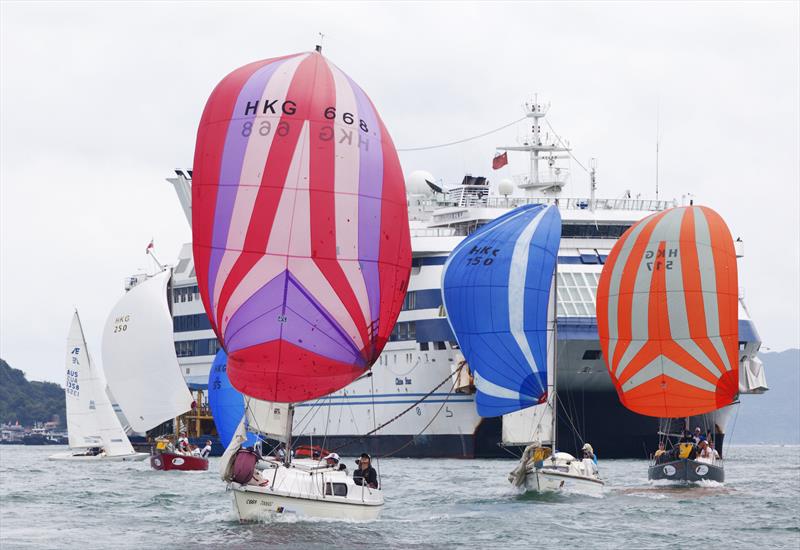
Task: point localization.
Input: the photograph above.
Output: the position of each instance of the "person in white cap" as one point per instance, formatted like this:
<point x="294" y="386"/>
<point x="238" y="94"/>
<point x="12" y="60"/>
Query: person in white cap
<point x="332" y="460"/>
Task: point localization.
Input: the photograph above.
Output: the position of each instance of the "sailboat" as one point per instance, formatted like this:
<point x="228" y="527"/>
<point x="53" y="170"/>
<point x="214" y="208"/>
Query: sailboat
<point x="303" y="254"/>
<point x="95" y="432"/>
<point x="141" y="366"/>
<point x="498" y="289"/>
<point x="227" y="404"/>
<point x="667" y="316"/>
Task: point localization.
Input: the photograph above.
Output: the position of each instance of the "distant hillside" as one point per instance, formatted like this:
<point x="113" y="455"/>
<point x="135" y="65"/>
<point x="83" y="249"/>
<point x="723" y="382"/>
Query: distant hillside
<point x="28" y="402"/>
<point x="773" y="417"/>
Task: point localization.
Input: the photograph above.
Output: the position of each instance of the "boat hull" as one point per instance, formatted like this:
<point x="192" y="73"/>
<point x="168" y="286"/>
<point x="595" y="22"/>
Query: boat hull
<point x="259" y="504"/>
<point x="172" y="461"/>
<point x="685" y="471"/>
<point x="70" y="456"/>
<point x="544" y="481"/>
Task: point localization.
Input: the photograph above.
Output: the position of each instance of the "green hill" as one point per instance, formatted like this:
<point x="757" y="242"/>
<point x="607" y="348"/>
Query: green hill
<point x="28" y="402"/>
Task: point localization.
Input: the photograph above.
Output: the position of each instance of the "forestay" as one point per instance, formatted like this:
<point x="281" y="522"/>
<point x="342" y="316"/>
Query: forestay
<point x="300" y="227"/>
<point x="139" y="356"/>
<point x="225" y="402"/>
<point x="91" y="420"/>
<point x="667" y="314"/>
<point x="496" y="288"/>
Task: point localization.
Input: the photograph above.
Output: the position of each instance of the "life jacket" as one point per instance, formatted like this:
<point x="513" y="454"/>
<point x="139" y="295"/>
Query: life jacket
<point x="685" y="450"/>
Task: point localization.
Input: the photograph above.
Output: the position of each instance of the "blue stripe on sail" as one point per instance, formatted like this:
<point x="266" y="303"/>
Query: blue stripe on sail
<point x="496" y="289"/>
<point x="225" y="402"/>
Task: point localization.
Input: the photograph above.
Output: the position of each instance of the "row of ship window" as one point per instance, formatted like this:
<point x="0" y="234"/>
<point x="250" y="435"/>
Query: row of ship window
<point x="185" y="294"/>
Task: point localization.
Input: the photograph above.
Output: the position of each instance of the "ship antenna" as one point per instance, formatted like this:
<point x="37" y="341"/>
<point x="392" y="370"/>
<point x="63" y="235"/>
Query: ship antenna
<point x="318" y="47"/>
<point x="657" y="128"/>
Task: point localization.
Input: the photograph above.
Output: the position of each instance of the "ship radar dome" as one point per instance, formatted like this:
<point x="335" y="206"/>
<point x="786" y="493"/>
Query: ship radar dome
<point x="505" y="187"/>
<point x="417" y="183"/>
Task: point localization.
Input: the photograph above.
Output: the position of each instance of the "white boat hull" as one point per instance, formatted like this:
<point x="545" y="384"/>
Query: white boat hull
<point x="560" y="473"/>
<point x="305" y="489"/>
<point x="542" y="481"/>
<point x="258" y="504"/>
<point x="70" y="456"/>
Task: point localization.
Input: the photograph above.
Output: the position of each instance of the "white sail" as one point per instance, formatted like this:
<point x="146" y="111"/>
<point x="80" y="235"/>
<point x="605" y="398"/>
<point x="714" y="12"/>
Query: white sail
<point x="529" y="425"/>
<point x="271" y="419"/>
<point x="139" y="356"/>
<point x="91" y="421"/>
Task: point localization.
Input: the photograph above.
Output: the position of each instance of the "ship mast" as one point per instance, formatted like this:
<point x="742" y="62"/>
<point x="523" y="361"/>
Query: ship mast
<point x="536" y="144"/>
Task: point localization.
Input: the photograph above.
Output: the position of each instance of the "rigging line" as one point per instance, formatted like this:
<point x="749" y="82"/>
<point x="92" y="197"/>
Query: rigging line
<point x="435" y="416"/>
<point x="428" y="147"/>
<point x="565" y="146"/>
<point x="417" y="402"/>
<point x="375" y="423"/>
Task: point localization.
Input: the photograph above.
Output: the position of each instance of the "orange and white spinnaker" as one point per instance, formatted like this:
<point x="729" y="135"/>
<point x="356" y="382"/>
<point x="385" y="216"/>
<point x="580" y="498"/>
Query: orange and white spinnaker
<point x="667" y="314"/>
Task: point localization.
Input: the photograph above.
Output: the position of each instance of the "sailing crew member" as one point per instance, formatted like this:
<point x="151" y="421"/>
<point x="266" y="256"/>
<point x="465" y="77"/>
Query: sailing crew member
<point x="332" y="461"/>
<point x="206" y="450"/>
<point x="661" y="450"/>
<point x="183" y="443"/>
<point x="588" y="452"/>
<point x="365" y="473"/>
<point x="698" y="435"/>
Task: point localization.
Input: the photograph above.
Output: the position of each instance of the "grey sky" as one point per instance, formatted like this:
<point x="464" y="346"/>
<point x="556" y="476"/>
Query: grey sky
<point x="101" y="101"/>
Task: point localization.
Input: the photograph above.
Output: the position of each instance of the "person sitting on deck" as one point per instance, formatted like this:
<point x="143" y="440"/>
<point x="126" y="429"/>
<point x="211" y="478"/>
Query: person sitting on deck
<point x="704" y="452"/>
<point x="660" y="452"/>
<point x="588" y="452"/>
<point x="365" y="473"/>
<point x="332" y="461"/>
<point x="206" y="450"/>
<point x="183" y="444"/>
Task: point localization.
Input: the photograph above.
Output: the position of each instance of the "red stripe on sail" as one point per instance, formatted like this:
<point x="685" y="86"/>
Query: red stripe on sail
<point x="276" y="168"/>
<point x="394" y="224"/>
<point x="209" y="148"/>
<point x="322" y="189"/>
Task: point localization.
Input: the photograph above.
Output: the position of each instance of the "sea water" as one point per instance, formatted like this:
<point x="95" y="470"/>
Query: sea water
<point x="429" y="503"/>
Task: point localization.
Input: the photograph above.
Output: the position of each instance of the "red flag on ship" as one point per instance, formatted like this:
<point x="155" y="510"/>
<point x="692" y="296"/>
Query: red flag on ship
<point x="149" y="247"/>
<point x="499" y="161"/>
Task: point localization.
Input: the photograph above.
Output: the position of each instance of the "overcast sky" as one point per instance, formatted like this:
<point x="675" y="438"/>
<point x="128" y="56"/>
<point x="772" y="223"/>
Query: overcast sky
<point x="101" y="101"/>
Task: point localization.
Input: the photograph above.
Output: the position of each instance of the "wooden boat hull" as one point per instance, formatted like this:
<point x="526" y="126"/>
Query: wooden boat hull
<point x="686" y="471"/>
<point x="172" y="461"/>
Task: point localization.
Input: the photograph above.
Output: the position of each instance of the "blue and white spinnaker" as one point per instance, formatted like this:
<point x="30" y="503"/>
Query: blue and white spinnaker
<point x="496" y="289"/>
<point x="225" y="401"/>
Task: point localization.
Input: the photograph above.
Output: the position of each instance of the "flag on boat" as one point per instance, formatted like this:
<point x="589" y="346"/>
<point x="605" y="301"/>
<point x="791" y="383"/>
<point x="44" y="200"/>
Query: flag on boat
<point x="499" y="161"/>
<point x="667" y="314"/>
<point x="496" y="288"/>
<point x="149" y="246"/>
<point x="300" y="227"/>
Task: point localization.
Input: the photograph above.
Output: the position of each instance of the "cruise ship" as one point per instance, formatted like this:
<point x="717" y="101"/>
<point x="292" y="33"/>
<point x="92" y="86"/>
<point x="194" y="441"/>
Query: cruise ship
<point x="429" y="412"/>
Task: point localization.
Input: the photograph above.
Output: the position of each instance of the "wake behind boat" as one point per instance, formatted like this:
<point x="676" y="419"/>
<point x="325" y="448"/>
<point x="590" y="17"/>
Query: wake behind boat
<point x="95" y="433"/>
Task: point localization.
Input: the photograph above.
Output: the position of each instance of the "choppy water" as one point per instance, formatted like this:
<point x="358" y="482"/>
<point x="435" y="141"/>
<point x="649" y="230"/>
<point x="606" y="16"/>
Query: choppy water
<point x="430" y="503"/>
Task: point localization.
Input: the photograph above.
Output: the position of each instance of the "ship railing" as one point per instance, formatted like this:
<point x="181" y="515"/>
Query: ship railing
<point x="434" y="232"/>
<point x="569" y="203"/>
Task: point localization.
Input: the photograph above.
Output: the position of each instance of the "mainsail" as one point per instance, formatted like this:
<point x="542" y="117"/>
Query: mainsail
<point x="667" y="314"/>
<point x="300" y="229"/>
<point x="496" y="288"/>
<point x="91" y="421"/>
<point x="139" y="356"/>
<point x="226" y="402"/>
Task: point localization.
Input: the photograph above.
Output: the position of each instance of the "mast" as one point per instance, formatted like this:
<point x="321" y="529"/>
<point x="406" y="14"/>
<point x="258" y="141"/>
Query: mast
<point x="535" y="144"/>
<point x="288" y="455"/>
